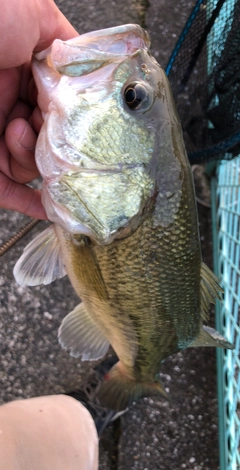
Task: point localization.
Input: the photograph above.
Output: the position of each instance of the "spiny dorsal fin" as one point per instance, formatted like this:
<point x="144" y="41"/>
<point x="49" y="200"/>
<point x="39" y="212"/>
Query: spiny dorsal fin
<point x="210" y="290"/>
<point x="80" y="334"/>
<point x="41" y="261"/>
<point x="210" y="337"/>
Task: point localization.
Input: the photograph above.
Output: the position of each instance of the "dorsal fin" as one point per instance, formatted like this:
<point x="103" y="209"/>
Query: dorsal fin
<point x="41" y="261"/>
<point x="210" y="290"/>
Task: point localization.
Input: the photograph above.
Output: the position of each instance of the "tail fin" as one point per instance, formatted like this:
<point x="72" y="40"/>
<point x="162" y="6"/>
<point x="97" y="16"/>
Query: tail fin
<point x="119" y="390"/>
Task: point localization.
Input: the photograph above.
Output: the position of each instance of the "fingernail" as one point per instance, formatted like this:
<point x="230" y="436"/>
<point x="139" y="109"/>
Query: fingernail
<point x="28" y="138"/>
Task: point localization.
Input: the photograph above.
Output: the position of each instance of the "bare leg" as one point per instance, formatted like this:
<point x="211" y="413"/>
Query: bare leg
<point x="47" y="433"/>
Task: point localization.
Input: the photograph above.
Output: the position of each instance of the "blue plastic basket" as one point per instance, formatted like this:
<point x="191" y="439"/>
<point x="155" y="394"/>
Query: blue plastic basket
<point x="226" y="241"/>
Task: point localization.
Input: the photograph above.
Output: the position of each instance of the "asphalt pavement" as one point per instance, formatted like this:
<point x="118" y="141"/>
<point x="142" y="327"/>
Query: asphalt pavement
<point x="154" y="434"/>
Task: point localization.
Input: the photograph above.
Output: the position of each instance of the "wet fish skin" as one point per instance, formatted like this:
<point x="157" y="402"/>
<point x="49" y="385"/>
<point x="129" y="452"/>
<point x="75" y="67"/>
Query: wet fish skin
<point x="119" y="189"/>
<point x="148" y="311"/>
<point x="134" y="288"/>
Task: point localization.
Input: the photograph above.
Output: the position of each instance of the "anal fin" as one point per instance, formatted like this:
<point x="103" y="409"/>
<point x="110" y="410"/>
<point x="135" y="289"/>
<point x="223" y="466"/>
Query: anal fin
<point x="80" y="334"/>
<point x="210" y="337"/>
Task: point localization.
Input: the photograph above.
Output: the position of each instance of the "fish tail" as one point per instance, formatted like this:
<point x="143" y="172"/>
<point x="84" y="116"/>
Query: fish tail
<point x="119" y="389"/>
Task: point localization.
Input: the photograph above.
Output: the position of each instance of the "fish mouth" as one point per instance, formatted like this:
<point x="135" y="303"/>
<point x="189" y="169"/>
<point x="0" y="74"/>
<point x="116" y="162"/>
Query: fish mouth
<point x="94" y="50"/>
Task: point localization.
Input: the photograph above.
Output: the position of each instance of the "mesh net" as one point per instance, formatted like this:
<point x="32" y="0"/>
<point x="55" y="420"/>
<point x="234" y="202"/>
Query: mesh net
<point x="226" y="217"/>
<point x="204" y="72"/>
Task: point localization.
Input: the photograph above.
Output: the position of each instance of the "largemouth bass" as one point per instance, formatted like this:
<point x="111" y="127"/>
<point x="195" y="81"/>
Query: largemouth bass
<point x="118" y="186"/>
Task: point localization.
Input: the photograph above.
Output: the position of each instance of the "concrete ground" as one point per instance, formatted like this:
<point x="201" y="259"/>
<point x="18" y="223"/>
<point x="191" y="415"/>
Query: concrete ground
<point x="154" y="434"/>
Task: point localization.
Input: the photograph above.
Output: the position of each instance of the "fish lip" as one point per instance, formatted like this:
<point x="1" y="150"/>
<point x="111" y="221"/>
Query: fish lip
<point x="95" y="39"/>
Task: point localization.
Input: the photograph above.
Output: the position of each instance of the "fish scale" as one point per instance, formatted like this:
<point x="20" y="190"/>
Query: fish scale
<point x="161" y="283"/>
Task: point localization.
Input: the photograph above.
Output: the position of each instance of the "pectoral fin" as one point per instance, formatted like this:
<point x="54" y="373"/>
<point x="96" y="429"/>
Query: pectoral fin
<point x="41" y="261"/>
<point x="210" y="337"/>
<point x="80" y="334"/>
<point x="210" y="290"/>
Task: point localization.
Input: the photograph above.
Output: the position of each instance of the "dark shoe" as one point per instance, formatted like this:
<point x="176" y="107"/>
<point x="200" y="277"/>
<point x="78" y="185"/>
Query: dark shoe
<point x="87" y="395"/>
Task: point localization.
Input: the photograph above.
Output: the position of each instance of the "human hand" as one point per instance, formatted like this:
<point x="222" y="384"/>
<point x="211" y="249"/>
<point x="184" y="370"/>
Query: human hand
<point x="27" y="26"/>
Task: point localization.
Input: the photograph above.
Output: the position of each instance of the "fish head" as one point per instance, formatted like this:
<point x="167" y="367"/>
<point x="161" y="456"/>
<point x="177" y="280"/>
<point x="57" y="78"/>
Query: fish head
<point x="106" y="148"/>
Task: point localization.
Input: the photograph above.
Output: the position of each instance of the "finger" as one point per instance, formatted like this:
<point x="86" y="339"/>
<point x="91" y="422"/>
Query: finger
<point x="36" y="23"/>
<point x="21" y="198"/>
<point x="36" y="120"/>
<point x="21" y="142"/>
<point x="25" y="79"/>
<point x="32" y="93"/>
<point x="20" y="110"/>
<point x="2" y="122"/>
<point x="53" y="24"/>
<point x="9" y="87"/>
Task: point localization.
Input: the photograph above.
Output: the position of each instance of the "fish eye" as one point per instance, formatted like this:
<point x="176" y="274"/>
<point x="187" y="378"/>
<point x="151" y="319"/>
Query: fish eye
<point x="135" y="95"/>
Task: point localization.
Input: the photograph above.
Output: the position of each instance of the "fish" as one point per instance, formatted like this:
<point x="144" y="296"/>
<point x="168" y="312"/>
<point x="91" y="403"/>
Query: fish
<point x="118" y="187"/>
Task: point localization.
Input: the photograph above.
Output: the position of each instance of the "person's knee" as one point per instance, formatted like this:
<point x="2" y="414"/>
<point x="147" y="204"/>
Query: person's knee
<point x="53" y="432"/>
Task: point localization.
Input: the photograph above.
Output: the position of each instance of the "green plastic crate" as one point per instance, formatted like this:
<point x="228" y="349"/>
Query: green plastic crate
<point x="226" y="241"/>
